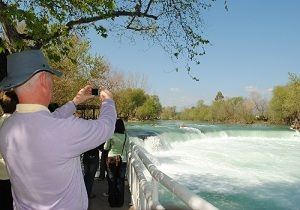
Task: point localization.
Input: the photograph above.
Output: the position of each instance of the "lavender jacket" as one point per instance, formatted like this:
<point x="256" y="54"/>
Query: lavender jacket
<point x="42" y="152"/>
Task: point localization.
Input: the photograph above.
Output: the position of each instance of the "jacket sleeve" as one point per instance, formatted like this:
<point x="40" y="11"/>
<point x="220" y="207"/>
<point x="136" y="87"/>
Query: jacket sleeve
<point x="84" y="135"/>
<point x="65" y="111"/>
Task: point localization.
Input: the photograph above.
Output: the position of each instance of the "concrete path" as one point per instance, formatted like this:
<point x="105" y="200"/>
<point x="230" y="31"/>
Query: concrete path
<point x="101" y="203"/>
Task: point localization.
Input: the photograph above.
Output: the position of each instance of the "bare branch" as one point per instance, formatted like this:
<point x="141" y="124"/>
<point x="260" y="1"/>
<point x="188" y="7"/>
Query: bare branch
<point x="148" y="6"/>
<point x="130" y="22"/>
<point x="72" y="23"/>
<point x="138" y="29"/>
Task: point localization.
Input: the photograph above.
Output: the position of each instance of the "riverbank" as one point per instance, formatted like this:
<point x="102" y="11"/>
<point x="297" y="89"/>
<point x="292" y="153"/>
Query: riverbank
<point x="295" y="126"/>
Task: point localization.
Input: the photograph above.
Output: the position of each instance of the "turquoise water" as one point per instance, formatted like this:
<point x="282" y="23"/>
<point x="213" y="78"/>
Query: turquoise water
<point x="233" y="167"/>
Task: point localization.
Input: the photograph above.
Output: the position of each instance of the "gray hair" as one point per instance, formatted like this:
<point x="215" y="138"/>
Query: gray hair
<point x="29" y="85"/>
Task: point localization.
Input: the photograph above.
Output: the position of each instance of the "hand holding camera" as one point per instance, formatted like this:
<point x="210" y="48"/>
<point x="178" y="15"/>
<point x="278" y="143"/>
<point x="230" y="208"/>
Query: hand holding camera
<point x="95" y="91"/>
<point x="88" y="92"/>
<point x="105" y="94"/>
<point x="83" y="95"/>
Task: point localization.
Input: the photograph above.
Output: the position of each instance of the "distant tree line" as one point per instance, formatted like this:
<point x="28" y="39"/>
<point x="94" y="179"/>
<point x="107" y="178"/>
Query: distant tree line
<point x="226" y="110"/>
<point x="283" y="108"/>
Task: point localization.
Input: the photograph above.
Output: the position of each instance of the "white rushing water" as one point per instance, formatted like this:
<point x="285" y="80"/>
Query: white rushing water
<point x="232" y="167"/>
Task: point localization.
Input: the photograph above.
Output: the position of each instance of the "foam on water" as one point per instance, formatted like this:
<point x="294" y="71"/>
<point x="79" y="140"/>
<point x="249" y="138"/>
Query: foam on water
<point x="233" y="168"/>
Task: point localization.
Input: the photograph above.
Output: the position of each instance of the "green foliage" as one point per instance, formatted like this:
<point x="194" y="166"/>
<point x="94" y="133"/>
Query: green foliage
<point x="284" y="107"/>
<point x="285" y="104"/>
<point x="134" y="103"/>
<point x="79" y="68"/>
<point x="231" y="110"/>
<point x="45" y="21"/>
<point x="219" y="96"/>
<point x="293" y="78"/>
<point x="175" y="25"/>
<point x="168" y="113"/>
<point x="150" y="110"/>
<point x="276" y="106"/>
<point x="128" y="100"/>
<point x="218" y="111"/>
<point x="200" y="113"/>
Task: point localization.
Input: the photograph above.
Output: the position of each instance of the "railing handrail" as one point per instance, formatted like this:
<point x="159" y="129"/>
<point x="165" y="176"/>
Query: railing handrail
<point x="191" y="199"/>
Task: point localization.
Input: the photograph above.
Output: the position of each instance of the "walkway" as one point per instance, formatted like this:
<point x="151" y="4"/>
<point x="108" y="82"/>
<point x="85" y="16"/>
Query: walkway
<point x="101" y="203"/>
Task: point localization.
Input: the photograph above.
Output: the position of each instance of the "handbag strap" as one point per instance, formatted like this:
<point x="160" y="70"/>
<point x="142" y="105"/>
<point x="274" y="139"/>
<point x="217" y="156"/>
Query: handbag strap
<point x="124" y="143"/>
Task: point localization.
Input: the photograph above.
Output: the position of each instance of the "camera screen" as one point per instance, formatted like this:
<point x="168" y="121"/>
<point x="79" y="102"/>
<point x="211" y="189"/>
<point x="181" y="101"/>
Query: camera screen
<point x="95" y="91"/>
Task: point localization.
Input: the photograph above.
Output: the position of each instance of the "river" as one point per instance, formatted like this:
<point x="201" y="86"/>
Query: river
<point x="234" y="167"/>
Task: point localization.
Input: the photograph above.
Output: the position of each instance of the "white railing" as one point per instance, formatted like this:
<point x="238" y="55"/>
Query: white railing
<point x="145" y="193"/>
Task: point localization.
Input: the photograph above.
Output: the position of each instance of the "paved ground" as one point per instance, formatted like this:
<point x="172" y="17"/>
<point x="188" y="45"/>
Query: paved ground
<point x="101" y="203"/>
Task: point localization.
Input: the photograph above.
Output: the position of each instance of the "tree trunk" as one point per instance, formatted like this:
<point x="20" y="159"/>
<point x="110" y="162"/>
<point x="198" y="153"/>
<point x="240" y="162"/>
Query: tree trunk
<point x="3" y="64"/>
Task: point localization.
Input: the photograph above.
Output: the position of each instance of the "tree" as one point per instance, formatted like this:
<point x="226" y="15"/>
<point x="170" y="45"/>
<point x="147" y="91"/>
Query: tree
<point x="128" y="101"/>
<point x="239" y="110"/>
<point x="200" y="113"/>
<point x="119" y="80"/>
<point x="134" y="103"/>
<point x="245" y="112"/>
<point x="293" y="99"/>
<point x="276" y="105"/>
<point x="294" y="78"/>
<point x="3" y="62"/>
<point x="260" y="104"/>
<point x="284" y="105"/>
<point x="168" y="113"/>
<point x="219" y="96"/>
<point x="150" y="110"/>
<point x="235" y="109"/>
<point x="79" y="68"/>
<point x="218" y="111"/>
<point x="175" y="25"/>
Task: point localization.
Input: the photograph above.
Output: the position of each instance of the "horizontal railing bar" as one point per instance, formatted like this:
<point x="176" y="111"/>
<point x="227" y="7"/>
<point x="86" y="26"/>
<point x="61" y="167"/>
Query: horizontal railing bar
<point x="191" y="199"/>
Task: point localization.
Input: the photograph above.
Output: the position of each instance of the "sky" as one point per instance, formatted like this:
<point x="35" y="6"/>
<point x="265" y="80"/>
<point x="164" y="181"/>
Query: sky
<point x="253" y="47"/>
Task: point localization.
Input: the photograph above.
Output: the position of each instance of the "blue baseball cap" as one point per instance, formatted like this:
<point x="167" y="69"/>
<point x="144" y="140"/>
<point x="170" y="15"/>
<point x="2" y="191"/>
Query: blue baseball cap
<point x="23" y="65"/>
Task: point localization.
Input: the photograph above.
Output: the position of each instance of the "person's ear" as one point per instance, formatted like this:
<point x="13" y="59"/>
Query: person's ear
<point x="43" y="79"/>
